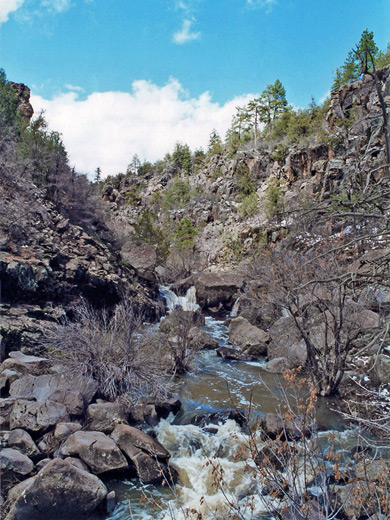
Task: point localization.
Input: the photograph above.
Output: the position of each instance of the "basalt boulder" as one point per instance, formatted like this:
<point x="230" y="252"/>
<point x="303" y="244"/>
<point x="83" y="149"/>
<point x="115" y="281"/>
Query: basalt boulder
<point x="218" y="290"/>
<point x="95" y="449"/>
<point x="250" y="339"/>
<point x="61" y="491"/>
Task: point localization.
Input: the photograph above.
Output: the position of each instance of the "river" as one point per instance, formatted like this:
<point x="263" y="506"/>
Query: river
<point x="198" y="453"/>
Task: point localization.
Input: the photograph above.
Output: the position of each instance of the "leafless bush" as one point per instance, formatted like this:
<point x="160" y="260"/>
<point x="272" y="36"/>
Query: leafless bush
<point x="182" y="348"/>
<point x="319" y="294"/>
<point x="115" y="349"/>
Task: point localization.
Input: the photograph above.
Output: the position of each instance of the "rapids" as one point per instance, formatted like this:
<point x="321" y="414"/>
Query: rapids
<point x="200" y="454"/>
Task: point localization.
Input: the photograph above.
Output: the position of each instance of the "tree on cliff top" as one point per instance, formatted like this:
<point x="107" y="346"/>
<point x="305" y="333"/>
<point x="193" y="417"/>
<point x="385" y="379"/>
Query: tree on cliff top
<point x="351" y="69"/>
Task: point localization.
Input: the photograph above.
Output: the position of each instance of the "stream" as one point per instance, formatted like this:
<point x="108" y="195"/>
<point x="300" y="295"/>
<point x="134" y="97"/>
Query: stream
<point x="215" y="385"/>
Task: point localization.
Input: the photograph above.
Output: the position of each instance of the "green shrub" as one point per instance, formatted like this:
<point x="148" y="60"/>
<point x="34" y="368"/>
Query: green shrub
<point x="178" y="195"/>
<point x="185" y="233"/>
<point x="248" y="206"/>
<point x="147" y="232"/>
<point x="274" y="197"/>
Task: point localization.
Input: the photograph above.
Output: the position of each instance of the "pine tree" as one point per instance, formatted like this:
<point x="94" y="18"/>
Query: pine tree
<point x="215" y="144"/>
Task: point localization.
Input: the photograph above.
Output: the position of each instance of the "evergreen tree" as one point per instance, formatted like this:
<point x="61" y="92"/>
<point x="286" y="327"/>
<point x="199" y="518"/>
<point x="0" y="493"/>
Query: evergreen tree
<point x="98" y="175"/>
<point x="215" y="144"/>
<point x="273" y="102"/>
<point x="134" y="166"/>
<point x="351" y="70"/>
<point x="182" y="159"/>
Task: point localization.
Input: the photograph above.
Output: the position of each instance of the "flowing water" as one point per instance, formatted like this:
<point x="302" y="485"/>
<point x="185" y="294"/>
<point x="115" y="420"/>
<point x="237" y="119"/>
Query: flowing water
<point x="198" y="454"/>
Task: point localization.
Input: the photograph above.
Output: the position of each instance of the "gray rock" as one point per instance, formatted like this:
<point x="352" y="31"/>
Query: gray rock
<point x="274" y="425"/>
<point x="286" y="341"/>
<point x="36" y="416"/>
<point x="252" y="340"/>
<point x="278" y="365"/>
<point x="148" y="455"/>
<point x="22" y="441"/>
<point x="15" y="492"/>
<point x="103" y="417"/>
<point x="199" y="340"/>
<point x="95" y="449"/>
<point x="77" y="462"/>
<point x="14" y="465"/>
<point x="41" y="464"/>
<point x="19" y="362"/>
<point x="143" y="258"/>
<point x="381" y="369"/>
<point x="64" y="429"/>
<point x="60" y="491"/>
<point x="234" y="354"/>
<point x="73" y="392"/>
<point x="218" y="289"/>
<point x="127" y="437"/>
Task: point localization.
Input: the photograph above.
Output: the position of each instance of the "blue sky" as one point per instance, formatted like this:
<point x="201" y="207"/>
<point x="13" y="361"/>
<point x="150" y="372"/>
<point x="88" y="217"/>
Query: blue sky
<point x="135" y="76"/>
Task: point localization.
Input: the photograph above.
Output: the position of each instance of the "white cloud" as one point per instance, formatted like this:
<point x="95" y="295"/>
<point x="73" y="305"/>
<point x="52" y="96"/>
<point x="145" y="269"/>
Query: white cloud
<point x="261" y="3"/>
<point x="7" y="6"/>
<point x="73" y="87"/>
<point x="108" y="128"/>
<point x="185" y="35"/>
<point x="58" y="6"/>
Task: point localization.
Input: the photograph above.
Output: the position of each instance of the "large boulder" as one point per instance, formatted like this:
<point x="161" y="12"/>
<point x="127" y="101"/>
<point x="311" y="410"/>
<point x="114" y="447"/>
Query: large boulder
<point x="14" y="466"/>
<point x="143" y="258"/>
<point x="61" y="491"/>
<point x="22" y="441"/>
<point x="380" y="372"/>
<point x="275" y="426"/>
<point x="95" y="449"/>
<point x="73" y="392"/>
<point x="36" y="416"/>
<point x="103" y="417"/>
<point x="286" y="342"/>
<point x="128" y="436"/>
<point x="278" y="365"/>
<point x="148" y="455"/>
<point x="252" y="340"/>
<point x="200" y="340"/>
<point x="217" y="290"/>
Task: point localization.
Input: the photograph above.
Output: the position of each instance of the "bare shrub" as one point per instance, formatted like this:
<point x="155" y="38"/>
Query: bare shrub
<point x="182" y="348"/>
<point x="115" y="349"/>
<point x="319" y="294"/>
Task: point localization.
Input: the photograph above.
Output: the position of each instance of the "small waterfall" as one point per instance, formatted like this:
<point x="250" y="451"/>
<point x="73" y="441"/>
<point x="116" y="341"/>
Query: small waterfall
<point x="187" y="302"/>
<point x="234" y="311"/>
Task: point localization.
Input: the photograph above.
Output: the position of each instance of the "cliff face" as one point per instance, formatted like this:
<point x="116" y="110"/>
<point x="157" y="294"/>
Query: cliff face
<point x="347" y="153"/>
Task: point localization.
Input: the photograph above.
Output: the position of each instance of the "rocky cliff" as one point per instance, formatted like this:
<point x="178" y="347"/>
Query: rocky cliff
<point x="347" y="154"/>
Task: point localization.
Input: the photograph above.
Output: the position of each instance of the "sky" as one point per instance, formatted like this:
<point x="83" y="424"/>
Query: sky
<point x="125" y="77"/>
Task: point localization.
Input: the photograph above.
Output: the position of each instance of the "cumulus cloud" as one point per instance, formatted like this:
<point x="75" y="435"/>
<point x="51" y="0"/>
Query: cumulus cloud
<point x="185" y="35"/>
<point x="107" y="128"/>
<point x="7" y="6"/>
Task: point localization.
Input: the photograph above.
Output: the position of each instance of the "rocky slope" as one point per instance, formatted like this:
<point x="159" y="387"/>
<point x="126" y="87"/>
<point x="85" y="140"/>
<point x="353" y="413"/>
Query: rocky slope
<point x="47" y="264"/>
<point x="349" y="150"/>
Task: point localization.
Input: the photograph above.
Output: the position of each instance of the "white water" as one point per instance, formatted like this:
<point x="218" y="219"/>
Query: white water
<point x="187" y="302"/>
<point x="198" y="454"/>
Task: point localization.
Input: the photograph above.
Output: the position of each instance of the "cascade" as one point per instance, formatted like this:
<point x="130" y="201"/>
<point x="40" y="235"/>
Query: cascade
<point x="187" y="302"/>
